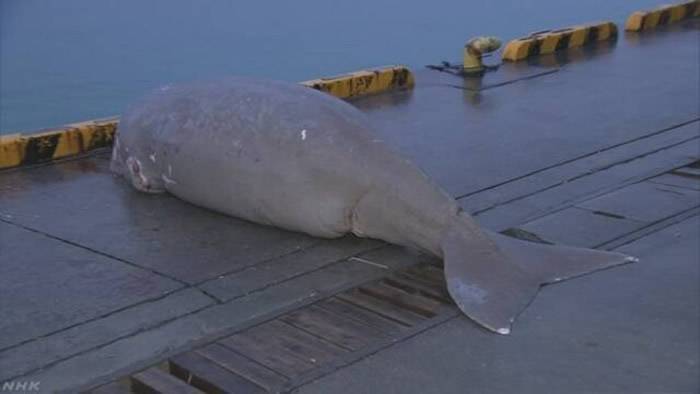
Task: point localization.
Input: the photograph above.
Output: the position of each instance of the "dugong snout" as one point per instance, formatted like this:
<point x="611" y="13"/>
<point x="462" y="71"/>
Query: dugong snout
<point x="143" y="176"/>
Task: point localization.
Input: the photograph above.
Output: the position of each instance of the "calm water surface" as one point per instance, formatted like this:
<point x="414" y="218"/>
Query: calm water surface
<point x="70" y="60"/>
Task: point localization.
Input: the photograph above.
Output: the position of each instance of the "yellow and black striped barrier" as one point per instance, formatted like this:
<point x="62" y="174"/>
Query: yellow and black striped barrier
<point x="78" y="138"/>
<point x="550" y="41"/>
<point x="365" y="82"/>
<point x="663" y="15"/>
<point x="71" y="140"/>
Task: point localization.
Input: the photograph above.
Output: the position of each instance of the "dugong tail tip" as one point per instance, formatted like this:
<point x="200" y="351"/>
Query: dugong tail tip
<point x="492" y="277"/>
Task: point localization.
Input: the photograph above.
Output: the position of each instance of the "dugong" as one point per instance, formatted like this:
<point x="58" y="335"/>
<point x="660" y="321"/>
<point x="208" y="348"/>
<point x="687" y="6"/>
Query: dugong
<point x="285" y="155"/>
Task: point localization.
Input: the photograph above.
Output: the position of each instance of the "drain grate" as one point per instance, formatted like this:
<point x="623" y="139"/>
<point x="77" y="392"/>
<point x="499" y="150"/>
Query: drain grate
<point x="276" y="355"/>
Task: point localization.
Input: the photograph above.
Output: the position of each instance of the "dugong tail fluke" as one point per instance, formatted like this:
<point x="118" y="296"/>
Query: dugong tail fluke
<point x="288" y="156"/>
<point x="492" y="277"/>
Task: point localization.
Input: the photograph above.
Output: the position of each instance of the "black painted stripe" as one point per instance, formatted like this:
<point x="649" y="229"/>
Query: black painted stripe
<point x="592" y="35"/>
<point x="40" y="149"/>
<point x="100" y="138"/>
<point x="665" y="17"/>
<point x="564" y="41"/>
<point x="399" y="78"/>
<point x="535" y="47"/>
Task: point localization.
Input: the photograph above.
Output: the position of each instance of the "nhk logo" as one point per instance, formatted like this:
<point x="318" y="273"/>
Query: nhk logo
<point x="19" y="385"/>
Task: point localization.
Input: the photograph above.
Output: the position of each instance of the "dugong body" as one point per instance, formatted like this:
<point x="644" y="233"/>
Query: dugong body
<point x="285" y="155"/>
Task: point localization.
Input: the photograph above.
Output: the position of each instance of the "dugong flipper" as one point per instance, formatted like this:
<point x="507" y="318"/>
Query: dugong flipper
<point x="285" y="155"/>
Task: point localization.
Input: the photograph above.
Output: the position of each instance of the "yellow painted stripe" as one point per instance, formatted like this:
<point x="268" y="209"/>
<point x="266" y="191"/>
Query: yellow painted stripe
<point x="651" y="20"/>
<point x="11" y="150"/>
<point x="606" y="32"/>
<point x="635" y="21"/>
<point x="364" y="82"/>
<point x="550" y="41"/>
<point x="578" y="37"/>
<point x="677" y="14"/>
<point x="646" y="20"/>
<point x="517" y="49"/>
<point x="78" y="138"/>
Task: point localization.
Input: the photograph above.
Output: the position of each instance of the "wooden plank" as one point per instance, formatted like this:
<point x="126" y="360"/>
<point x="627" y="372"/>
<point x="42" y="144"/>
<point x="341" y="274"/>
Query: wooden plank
<point x="425" y="288"/>
<point x="344" y="332"/>
<point x="271" y="355"/>
<point x="427" y="273"/>
<point x="208" y="376"/>
<point x="243" y="366"/>
<point x="381" y="307"/>
<point x="155" y="380"/>
<point x="435" y="278"/>
<point x="351" y="311"/>
<point x="304" y="345"/>
<point x="413" y="302"/>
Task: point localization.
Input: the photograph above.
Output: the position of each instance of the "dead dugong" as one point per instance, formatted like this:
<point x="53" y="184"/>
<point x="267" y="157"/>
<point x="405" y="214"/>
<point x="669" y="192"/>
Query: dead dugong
<point x="285" y="155"/>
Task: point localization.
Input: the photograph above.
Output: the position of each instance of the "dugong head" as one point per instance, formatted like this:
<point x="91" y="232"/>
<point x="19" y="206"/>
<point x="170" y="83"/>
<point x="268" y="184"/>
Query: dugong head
<point x="135" y="154"/>
<point x="144" y="176"/>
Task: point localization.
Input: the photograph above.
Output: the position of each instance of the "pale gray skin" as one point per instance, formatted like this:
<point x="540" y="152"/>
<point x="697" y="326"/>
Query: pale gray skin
<point x="288" y="156"/>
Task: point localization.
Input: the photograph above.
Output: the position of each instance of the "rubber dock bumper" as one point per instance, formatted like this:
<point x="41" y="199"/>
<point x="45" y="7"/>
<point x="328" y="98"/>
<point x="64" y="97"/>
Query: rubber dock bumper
<point x="663" y="15"/>
<point x="74" y="139"/>
<point x="550" y="41"/>
<point x="365" y="82"/>
<point x="71" y="140"/>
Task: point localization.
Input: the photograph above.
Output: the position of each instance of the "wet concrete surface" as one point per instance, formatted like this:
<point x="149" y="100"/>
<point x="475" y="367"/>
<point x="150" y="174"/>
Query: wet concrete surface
<point x="626" y="330"/>
<point x="82" y="247"/>
<point x="126" y="354"/>
<point x="469" y="141"/>
<point x="601" y="219"/>
<point x="82" y="202"/>
<point x="646" y="202"/>
<point x="47" y="285"/>
<point x="84" y="337"/>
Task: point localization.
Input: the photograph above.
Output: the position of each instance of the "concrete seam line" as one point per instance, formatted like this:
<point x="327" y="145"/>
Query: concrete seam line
<point x="663" y="15"/>
<point x="550" y="41"/>
<point x="78" y="138"/>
